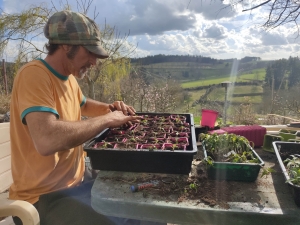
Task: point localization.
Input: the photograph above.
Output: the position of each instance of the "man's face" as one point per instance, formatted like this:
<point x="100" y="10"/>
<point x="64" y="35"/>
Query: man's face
<point x="80" y="62"/>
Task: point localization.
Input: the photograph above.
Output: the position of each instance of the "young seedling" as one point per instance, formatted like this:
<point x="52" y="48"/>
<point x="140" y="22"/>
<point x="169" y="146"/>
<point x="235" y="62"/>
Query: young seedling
<point x="193" y="186"/>
<point x="293" y="168"/>
<point x="267" y="171"/>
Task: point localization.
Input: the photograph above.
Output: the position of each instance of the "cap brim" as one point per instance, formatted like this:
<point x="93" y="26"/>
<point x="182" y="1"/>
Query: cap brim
<point x="97" y="50"/>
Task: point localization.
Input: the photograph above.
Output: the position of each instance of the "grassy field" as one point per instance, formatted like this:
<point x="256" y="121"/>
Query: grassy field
<point x="187" y="71"/>
<point x="218" y="94"/>
<point x="258" y="74"/>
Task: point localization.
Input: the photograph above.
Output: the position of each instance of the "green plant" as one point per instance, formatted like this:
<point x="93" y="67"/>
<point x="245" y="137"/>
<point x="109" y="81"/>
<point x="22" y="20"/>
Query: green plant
<point x="193" y="186"/>
<point x="133" y="140"/>
<point x="209" y="161"/>
<point x="267" y="171"/>
<point x="144" y="122"/>
<point x="4" y="103"/>
<point x="172" y="146"/>
<point x="228" y="148"/>
<point x="152" y="147"/>
<point x="293" y="168"/>
<point x="245" y="157"/>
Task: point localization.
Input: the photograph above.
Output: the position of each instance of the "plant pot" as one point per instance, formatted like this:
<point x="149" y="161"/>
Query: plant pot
<point x="178" y="118"/>
<point x="113" y="138"/>
<point x="283" y="151"/>
<point x="156" y="135"/>
<point x="104" y="145"/>
<point x="126" y="146"/>
<point x="154" y="140"/>
<point x="179" y="134"/>
<point x="234" y="171"/>
<point x="179" y="140"/>
<point x="152" y="147"/>
<point x="173" y="147"/>
<point x="220" y="149"/>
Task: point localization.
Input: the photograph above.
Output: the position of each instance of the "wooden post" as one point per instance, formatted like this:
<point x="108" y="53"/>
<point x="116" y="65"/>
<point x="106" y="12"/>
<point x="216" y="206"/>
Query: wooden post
<point x="4" y="76"/>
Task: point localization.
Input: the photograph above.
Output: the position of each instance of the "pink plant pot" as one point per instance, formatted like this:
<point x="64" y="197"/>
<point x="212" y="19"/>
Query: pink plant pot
<point x="125" y="146"/>
<point x="179" y="140"/>
<point x="104" y="145"/>
<point x="174" y="147"/>
<point x="151" y="146"/>
<point x="179" y="134"/>
<point x="153" y="140"/>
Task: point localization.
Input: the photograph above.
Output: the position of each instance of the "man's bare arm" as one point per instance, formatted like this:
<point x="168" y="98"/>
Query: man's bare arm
<point x="94" y="108"/>
<point x="51" y="135"/>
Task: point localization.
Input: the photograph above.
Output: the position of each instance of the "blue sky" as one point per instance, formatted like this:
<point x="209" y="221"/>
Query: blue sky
<point x="182" y="27"/>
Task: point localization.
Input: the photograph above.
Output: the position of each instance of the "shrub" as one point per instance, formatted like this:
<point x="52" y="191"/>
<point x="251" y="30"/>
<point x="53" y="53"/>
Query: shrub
<point x="4" y="103"/>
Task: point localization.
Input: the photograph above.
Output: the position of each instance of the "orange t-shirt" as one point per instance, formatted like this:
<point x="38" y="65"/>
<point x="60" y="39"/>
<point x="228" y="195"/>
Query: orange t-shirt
<point x="39" y="88"/>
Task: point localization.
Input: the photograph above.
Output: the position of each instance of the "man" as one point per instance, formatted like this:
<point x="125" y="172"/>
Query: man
<point x="46" y="128"/>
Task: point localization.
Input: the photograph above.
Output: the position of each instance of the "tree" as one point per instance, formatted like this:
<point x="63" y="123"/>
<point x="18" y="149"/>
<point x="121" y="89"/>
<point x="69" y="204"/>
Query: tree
<point x="113" y="68"/>
<point x="280" y="12"/>
<point x="134" y="90"/>
<point x="161" y="95"/>
<point x="25" y="27"/>
<point x="276" y="77"/>
<point x="294" y="77"/>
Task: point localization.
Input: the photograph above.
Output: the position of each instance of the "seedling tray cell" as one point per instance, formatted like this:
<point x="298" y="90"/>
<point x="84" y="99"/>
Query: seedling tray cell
<point x="144" y="159"/>
<point x="283" y="150"/>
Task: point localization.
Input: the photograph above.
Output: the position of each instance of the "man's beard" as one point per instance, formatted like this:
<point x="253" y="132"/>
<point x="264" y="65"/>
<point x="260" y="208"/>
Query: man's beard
<point x="82" y="74"/>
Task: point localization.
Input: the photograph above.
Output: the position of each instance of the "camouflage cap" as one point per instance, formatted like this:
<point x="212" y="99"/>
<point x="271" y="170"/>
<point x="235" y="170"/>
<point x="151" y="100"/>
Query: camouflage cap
<point x="72" y="28"/>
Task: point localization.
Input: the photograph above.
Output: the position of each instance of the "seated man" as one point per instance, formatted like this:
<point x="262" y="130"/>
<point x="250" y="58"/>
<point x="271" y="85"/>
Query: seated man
<point x="47" y="132"/>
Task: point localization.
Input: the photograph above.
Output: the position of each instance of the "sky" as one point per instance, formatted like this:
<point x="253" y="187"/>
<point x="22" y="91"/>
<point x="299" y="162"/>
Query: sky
<point x="206" y="28"/>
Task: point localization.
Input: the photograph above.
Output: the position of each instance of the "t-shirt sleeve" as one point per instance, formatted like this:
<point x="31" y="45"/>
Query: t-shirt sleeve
<point x="81" y="97"/>
<point x="35" y="92"/>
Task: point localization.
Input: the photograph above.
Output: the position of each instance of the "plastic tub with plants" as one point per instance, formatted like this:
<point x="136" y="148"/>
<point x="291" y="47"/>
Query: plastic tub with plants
<point x="288" y="155"/>
<point x="230" y="157"/>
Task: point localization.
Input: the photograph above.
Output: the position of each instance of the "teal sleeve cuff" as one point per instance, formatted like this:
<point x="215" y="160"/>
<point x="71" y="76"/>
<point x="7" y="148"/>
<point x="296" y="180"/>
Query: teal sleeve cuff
<point x="37" y="109"/>
<point x="83" y="101"/>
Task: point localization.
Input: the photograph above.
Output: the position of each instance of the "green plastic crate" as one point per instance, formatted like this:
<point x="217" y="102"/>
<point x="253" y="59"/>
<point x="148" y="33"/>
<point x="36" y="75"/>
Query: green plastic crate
<point x="234" y="171"/>
<point x="268" y="140"/>
<point x="287" y="134"/>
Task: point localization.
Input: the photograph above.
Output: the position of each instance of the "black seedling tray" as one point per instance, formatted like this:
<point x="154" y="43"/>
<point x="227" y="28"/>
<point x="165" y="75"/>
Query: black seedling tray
<point x="142" y="159"/>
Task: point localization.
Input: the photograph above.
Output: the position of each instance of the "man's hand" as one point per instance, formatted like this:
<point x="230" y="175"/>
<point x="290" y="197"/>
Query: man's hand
<point x="121" y="106"/>
<point x="117" y="118"/>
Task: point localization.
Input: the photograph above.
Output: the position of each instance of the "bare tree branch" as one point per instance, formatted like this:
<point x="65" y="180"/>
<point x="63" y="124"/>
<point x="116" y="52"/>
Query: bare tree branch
<point x="280" y="12"/>
<point x="257" y="6"/>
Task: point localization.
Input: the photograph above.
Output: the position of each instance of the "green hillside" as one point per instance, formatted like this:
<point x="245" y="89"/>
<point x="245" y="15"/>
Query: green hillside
<point x="257" y="74"/>
<point x="196" y="74"/>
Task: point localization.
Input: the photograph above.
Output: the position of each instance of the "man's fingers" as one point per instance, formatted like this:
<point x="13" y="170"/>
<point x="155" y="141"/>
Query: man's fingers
<point x="131" y="110"/>
<point x="121" y="106"/>
<point x="111" y="107"/>
<point x="124" y="108"/>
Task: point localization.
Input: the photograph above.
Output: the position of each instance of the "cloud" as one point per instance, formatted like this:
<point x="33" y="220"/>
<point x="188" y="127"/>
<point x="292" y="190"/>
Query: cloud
<point x="215" y="31"/>
<point x="213" y="10"/>
<point x="147" y="16"/>
<point x="273" y="38"/>
<point x="199" y="27"/>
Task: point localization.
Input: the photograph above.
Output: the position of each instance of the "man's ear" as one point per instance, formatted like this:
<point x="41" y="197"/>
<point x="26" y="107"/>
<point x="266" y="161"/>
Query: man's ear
<point x="66" y="48"/>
